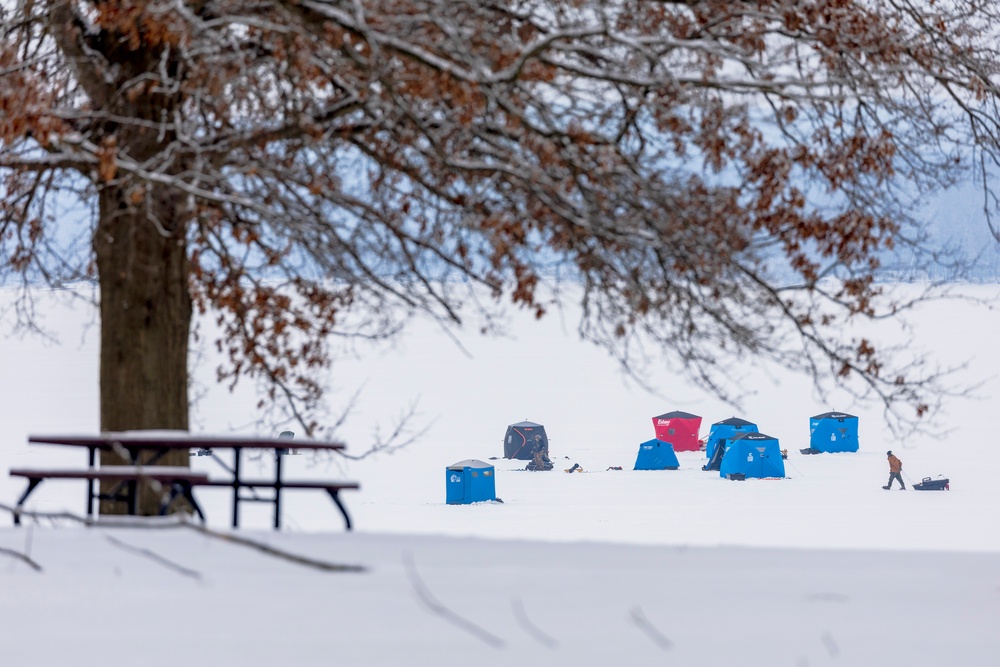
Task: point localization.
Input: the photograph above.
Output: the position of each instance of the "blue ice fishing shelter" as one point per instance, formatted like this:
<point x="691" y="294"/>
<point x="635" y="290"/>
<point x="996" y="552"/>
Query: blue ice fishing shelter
<point x="727" y="429"/>
<point x="833" y="432"/>
<point x="753" y="455"/>
<point x="656" y="455"/>
<point x="470" y="481"/>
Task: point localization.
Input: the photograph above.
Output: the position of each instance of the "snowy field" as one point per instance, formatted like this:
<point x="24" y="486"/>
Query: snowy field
<point x="672" y="567"/>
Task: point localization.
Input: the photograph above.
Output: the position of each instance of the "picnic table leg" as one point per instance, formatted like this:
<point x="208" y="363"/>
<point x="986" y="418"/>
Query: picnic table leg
<point x="277" y="489"/>
<point x="132" y="497"/>
<point x="184" y="490"/>
<point x="32" y="483"/>
<point x="188" y="493"/>
<point x="236" y="487"/>
<point x="91" y="460"/>
<point x="343" y="510"/>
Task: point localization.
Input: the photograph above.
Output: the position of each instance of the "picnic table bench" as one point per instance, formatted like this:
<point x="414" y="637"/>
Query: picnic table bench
<point x="180" y="481"/>
<point x="333" y="489"/>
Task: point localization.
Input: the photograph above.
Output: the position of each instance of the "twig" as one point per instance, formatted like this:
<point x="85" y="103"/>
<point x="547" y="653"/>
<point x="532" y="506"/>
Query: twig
<point x="28" y="535"/>
<point x="21" y="557"/>
<point x="650" y="630"/>
<point x="830" y="644"/>
<point x="429" y="601"/>
<point x="536" y="633"/>
<point x="180" y="569"/>
<point x="181" y="521"/>
<point x="272" y="551"/>
<point x="170" y="521"/>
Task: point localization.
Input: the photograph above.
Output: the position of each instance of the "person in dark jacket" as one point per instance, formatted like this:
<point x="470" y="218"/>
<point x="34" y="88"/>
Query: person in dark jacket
<point x="895" y="468"/>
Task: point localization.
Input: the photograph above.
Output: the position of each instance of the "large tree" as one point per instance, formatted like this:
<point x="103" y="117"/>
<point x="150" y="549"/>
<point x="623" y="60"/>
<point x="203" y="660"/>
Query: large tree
<point x="719" y="177"/>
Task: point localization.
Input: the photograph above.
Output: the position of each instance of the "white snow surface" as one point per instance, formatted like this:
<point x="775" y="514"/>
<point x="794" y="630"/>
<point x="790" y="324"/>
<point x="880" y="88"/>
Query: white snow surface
<point x="632" y="567"/>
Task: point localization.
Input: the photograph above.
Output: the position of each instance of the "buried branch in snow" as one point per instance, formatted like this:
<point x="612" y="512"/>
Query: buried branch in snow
<point x="180" y="521"/>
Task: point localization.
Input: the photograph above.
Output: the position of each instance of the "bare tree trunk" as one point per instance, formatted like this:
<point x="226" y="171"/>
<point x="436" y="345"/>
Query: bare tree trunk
<point x="145" y="322"/>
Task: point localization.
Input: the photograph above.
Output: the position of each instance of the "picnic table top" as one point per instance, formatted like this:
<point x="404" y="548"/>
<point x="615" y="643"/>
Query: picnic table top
<point x="165" y="439"/>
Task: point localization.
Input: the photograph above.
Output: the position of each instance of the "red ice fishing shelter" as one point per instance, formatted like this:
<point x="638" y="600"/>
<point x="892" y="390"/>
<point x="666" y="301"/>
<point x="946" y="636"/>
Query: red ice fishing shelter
<point x="680" y="429"/>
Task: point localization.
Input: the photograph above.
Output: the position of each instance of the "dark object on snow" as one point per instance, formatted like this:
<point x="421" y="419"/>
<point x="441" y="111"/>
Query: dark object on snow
<point x="928" y="484"/>
<point x="523" y="439"/>
<point x="719" y="450"/>
<point x="539" y="462"/>
<point x="614" y="467"/>
<point x="715" y="461"/>
<point x="736" y="476"/>
<point x="576" y="467"/>
<point x="282" y="451"/>
<point x="809" y="450"/>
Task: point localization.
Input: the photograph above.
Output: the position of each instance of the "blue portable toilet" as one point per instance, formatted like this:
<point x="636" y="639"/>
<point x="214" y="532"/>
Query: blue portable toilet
<point x="752" y="455"/>
<point x="656" y="455"/>
<point x="470" y="481"/>
<point x="833" y="432"/>
<point x="727" y="429"/>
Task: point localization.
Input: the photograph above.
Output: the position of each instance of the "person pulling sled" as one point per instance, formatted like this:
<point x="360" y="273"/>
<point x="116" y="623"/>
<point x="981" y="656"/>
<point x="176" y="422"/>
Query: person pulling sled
<point x="895" y="468"/>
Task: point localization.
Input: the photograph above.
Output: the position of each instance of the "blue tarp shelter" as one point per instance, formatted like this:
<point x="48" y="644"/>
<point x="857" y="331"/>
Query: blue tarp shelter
<point x="470" y="481"/>
<point x="753" y="455"/>
<point x="656" y="455"/>
<point x="833" y="432"/>
<point x="727" y="429"/>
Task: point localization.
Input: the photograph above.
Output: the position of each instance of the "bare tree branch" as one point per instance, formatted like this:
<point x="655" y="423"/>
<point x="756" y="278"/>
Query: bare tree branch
<point x="21" y="557"/>
<point x="181" y="521"/>
<point x="638" y="618"/>
<point x="438" y="609"/>
<point x="531" y="628"/>
<point x="155" y="557"/>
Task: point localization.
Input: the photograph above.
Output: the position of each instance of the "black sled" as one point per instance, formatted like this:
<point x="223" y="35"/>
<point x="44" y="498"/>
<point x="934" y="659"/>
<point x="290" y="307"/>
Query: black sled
<point x="928" y="484"/>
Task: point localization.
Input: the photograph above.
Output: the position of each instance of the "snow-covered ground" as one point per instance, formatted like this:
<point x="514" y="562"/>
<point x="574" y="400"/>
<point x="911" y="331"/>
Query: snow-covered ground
<point x="672" y="567"/>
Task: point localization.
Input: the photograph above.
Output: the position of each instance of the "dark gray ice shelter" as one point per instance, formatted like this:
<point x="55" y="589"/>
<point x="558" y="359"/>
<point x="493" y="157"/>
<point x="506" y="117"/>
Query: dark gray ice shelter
<point x="523" y="439"/>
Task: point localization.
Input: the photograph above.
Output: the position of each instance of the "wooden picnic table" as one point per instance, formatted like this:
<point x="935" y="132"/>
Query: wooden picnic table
<point x="132" y="445"/>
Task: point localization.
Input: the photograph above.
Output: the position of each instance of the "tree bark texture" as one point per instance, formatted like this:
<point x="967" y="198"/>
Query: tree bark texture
<point x="145" y="323"/>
